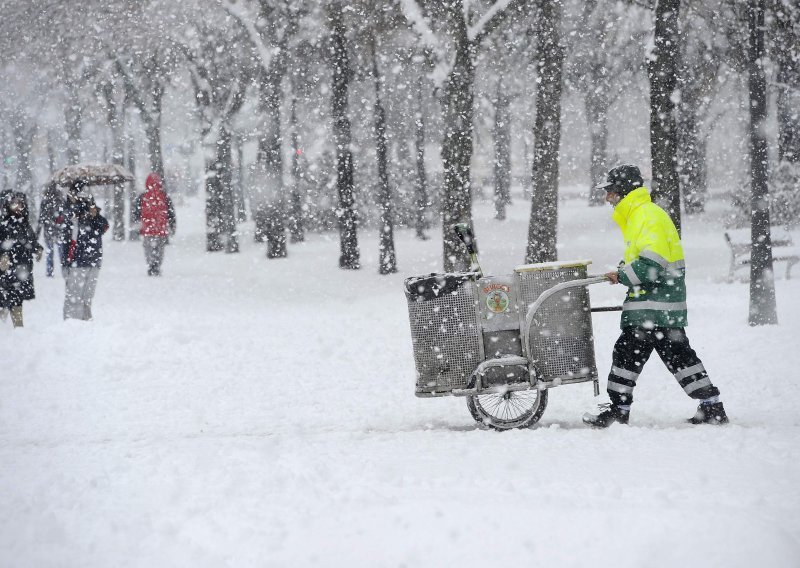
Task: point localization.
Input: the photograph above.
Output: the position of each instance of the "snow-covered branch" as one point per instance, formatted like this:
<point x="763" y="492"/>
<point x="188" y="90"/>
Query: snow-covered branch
<point x="415" y="17"/>
<point x="489" y="20"/>
<point x="265" y="53"/>
<point x="413" y="13"/>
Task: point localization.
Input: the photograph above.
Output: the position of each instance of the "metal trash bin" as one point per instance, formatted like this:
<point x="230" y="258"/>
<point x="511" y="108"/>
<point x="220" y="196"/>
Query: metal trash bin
<point x="445" y="333"/>
<point x="503" y="341"/>
<point x="561" y="343"/>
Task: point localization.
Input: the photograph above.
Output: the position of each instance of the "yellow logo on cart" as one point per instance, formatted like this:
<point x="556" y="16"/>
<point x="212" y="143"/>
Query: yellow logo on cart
<point x="497" y="297"/>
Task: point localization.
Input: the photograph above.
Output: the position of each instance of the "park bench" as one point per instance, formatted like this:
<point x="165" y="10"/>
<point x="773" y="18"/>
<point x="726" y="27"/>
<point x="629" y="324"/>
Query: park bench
<point x="739" y="243"/>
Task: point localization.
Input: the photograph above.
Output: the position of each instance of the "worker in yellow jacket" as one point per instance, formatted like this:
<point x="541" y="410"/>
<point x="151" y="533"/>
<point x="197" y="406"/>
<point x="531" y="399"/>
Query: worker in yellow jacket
<point x="654" y="311"/>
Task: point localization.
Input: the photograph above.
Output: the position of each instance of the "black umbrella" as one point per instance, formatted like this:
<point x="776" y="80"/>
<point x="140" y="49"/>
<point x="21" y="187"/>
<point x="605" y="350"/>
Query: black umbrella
<point x="92" y="174"/>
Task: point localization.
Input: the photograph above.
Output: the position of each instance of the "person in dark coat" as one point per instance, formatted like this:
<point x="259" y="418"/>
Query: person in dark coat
<point x="84" y="259"/>
<point x="52" y="200"/>
<point x="75" y="204"/>
<point x="18" y="245"/>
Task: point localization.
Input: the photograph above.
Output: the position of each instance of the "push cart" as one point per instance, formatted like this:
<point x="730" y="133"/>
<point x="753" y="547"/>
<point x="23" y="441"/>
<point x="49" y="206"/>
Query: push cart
<point x="503" y="341"/>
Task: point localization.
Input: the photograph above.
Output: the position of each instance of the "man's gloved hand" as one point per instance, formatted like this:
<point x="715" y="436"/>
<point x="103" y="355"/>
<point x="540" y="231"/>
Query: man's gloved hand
<point x="4" y="263"/>
<point x="38" y="255"/>
<point x="613" y="277"/>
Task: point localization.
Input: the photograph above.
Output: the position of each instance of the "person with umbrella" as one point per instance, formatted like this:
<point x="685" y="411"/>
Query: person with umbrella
<point x="84" y="257"/>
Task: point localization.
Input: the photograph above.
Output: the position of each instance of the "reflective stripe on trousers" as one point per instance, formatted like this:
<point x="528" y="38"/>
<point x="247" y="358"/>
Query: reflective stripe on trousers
<point x="633" y="349"/>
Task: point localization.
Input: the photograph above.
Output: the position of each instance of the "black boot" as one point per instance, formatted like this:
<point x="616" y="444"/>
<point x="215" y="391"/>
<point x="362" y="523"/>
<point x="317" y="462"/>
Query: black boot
<point x="609" y="413"/>
<point x="709" y="414"/>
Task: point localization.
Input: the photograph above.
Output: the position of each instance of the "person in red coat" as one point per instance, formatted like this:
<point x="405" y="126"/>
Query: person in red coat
<point x="157" y="216"/>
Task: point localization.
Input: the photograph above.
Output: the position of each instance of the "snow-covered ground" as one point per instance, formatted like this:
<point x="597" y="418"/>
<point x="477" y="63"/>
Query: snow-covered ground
<point x="245" y="412"/>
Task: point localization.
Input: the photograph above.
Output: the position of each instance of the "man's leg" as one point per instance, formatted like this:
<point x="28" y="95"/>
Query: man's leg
<point x="16" y="315"/>
<point x="673" y="347"/>
<point x="71" y="299"/>
<point x="49" y="257"/>
<point x="158" y="253"/>
<point x="89" y="287"/>
<point x="147" y="242"/>
<point x="631" y="352"/>
<point x="80" y="292"/>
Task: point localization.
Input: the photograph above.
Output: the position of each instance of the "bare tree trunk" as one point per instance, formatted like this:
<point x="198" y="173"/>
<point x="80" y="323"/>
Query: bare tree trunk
<point x="421" y="201"/>
<point x="269" y="159"/>
<point x="152" y="131"/>
<point x="543" y="227"/>
<point x="237" y="183"/>
<point x="661" y="72"/>
<point x="691" y="159"/>
<point x="296" y="228"/>
<point x="597" y="104"/>
<point x="350" y="255"/>
<point x="115" y="118"/>
<point x="787" y="45"/>
<point x="502" y="150"/>
<point x="133" y="233"/>
<point x="457" y="148"/>
<point x="762" y="286"/>
<point x="220" y="213"/>
<point x="387" y="263"/>
<point x="73" y="118"/>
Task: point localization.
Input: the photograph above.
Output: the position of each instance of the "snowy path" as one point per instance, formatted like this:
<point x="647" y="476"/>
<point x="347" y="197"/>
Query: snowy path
<point x="240" y="412"/>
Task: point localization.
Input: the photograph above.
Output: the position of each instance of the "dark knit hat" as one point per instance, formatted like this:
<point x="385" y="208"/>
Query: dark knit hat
<point x="622" y="180"/>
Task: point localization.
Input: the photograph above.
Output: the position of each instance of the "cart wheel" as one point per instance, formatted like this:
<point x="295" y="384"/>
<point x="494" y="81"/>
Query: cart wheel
<point x="513" y="409"/>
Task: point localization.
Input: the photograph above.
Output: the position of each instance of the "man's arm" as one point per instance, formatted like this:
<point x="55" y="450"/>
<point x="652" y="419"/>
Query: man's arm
<point x="649" y="267"/>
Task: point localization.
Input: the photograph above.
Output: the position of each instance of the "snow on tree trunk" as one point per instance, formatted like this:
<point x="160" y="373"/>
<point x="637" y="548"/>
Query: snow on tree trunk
<point x="115" y="117"/>
<point x="133" y="233"/>
<point x="387" y="263"/>
<point x="692" y="160"/>
<point x="346" y="212"/>
<point x="457" y="149"/>
<point x="787" y="46"/>
<point x="73" y="119"/>
<point x="295" y="219"/>
<point x="269" y="158"/>
<point x="220" y="210"/>
<point x="762" y="285"/>
<point x="597" y="105"/>
<point x="502" y="150"/>
<point x="661" y="72"/>
<point x="152" y="131"/>
<point x="421" y="201"/>
<point x="543" y="225"/>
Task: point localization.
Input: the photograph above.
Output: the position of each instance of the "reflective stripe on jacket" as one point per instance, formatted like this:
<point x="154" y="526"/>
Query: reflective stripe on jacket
<point x="654" y="269"/>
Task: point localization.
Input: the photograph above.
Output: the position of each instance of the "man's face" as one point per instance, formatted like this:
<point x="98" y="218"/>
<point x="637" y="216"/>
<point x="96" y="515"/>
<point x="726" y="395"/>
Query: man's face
<point x="17" y="207"/>
<point x="612" y="198"/>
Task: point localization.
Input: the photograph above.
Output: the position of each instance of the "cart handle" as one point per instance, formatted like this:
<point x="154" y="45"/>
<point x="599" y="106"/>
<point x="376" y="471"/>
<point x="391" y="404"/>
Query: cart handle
<point x="534" y="307"/>
<point x="464" y="233"/>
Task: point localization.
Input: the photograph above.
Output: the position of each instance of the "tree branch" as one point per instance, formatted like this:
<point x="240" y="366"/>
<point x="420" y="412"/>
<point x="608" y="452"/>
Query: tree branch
<point x="265" y="53"/>
<point x="493" y="18"/>
<point x="413" y="13"/>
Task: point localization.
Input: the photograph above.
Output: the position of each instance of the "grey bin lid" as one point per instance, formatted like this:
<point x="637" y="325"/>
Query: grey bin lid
<point x="432" y="286"/>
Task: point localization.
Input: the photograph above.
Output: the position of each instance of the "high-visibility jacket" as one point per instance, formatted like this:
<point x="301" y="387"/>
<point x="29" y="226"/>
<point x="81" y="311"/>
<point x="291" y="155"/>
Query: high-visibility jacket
<point x="654" y="269"/>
